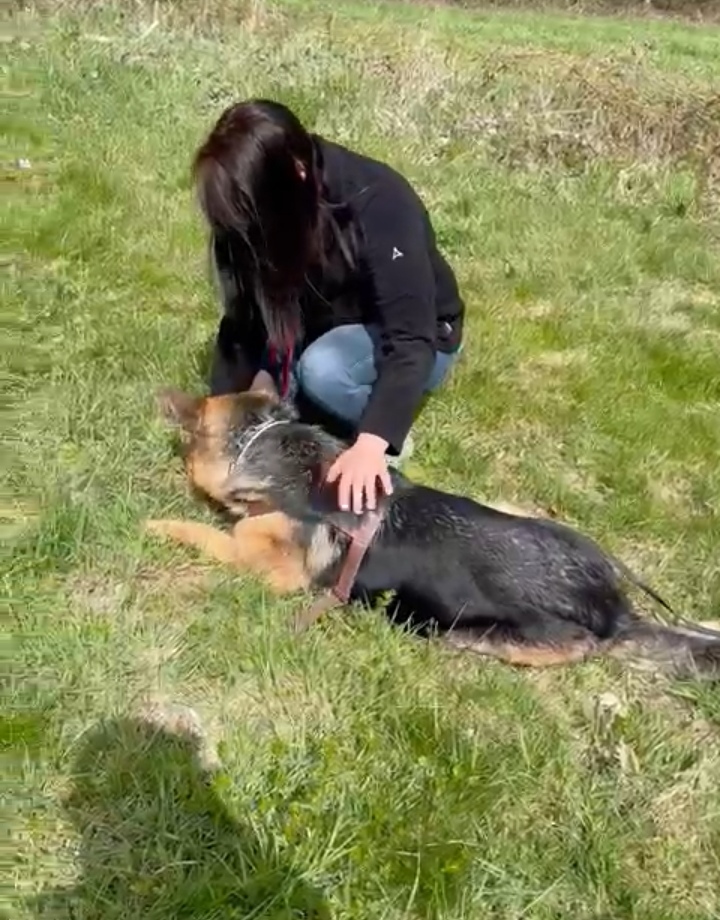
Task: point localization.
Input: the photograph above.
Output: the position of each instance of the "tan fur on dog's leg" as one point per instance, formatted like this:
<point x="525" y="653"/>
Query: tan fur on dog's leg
<point x="521" y="655"/>
<point x="208" y="540"/>
<point x="266" y="544"/>
<point x="263" y="545"/>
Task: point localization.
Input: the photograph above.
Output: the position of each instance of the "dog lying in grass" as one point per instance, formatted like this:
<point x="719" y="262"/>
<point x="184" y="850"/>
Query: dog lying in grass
<point x="526" y="590"/>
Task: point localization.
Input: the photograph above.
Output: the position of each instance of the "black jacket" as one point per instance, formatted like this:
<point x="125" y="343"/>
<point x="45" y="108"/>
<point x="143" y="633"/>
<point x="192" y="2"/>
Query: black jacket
<point x="402" y="283"/>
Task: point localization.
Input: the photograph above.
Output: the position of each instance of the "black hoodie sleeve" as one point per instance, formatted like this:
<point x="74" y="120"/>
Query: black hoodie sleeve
<point x="402" y="281"/>
<point x="237" y="351"/>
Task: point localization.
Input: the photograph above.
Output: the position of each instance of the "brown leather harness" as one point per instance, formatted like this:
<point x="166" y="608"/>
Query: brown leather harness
<point x="360" y="539"/>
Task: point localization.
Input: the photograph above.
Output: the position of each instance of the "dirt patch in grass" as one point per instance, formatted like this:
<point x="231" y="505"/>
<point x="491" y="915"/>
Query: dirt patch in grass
<point x="674" y="306"/>
<point x="96" y="594"/>
<point x="671" y="490"/>
<point x="103" y="596"/>
<point x="163" y="712"/>
<point x="546" y="370"/>
<point x="181" y="578"/>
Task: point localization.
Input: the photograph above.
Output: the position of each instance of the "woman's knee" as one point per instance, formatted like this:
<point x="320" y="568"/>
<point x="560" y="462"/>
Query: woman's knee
<point x="320" y="369"/>
<point x="332" y="371"/>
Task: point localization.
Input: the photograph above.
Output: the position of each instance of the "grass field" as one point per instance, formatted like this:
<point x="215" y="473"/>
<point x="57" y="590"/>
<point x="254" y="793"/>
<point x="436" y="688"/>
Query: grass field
<point x="573" y="174"/>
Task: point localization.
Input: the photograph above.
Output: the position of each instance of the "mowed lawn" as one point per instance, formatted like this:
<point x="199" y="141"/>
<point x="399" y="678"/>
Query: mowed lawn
<point x="572" y="168"/>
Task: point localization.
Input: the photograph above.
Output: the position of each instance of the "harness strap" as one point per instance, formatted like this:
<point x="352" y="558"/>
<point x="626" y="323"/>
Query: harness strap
<point x="360" y="539"/>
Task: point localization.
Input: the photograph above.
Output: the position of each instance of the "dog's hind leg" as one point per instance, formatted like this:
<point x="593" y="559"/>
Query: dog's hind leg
<point x="263" y="545"/>
<point x="510" y="646"/>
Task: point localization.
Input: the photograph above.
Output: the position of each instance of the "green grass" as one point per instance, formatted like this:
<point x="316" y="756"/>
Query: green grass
<point x="571" y="169"/>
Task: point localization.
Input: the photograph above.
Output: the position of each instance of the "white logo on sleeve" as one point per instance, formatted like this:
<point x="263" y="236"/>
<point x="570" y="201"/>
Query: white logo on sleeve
<point x="396" y="254"/>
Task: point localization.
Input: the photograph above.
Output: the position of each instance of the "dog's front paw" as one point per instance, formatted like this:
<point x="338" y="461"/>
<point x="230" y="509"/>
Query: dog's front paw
<point x="159" y="528"/>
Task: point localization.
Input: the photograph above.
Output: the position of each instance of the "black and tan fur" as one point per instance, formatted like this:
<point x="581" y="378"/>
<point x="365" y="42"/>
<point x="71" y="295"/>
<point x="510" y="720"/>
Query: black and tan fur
<point x="527" y="590"/>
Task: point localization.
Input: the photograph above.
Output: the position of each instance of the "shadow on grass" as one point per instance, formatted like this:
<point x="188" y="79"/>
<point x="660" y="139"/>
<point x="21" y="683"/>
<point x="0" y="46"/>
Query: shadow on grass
<point x="157" y="840"/>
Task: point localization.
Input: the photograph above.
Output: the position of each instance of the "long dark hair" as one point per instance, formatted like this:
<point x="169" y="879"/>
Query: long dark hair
<point x="259" y="181"/>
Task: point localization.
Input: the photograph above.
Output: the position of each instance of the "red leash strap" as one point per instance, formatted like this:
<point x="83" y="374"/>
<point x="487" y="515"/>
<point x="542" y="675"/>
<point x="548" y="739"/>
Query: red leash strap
<point x="360" y="539"/>
<point x="285" y="374"/>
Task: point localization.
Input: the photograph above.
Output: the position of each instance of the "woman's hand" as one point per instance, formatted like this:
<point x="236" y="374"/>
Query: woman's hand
<point x="358" y="470"/>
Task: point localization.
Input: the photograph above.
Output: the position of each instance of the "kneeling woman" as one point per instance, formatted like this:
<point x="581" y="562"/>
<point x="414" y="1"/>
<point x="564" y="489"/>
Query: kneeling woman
<point x="332" y="284"/>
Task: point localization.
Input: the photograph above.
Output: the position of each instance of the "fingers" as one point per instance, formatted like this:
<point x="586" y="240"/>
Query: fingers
<point x="357" y="486"/>
<point x="364" y="488"/>
<point x="371" y="487"/>
<point x="354" y="488"/>
<point x="334" y="471"/>
<point x="386" y="481"/>
<point x="345" y="489"/>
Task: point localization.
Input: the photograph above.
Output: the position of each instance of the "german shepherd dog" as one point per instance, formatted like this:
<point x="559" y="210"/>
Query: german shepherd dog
<point x="526" y="590"/>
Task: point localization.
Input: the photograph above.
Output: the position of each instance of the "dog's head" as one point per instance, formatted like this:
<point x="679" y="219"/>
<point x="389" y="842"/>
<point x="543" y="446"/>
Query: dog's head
<point x="212" y="432"/>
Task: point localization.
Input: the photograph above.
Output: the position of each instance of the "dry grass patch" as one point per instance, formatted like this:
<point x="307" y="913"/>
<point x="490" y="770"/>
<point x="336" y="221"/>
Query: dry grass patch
<point x="149" y="587"/>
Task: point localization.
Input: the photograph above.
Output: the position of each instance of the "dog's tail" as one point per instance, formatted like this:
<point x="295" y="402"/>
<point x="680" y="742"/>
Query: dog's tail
<point x="625" y="570"/>
<point x="687" y="651"/>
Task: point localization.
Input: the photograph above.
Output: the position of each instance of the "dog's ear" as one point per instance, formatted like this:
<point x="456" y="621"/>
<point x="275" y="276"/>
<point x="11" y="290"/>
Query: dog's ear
<point x="261" y="407"/>
<point x="263" y="383"/>
<point x="178" y="408"/>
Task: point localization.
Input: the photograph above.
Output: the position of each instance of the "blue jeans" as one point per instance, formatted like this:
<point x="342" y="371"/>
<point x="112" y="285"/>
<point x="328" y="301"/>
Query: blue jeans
<point x="337" y="371"/>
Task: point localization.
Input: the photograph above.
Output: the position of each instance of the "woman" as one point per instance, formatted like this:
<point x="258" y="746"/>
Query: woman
<point x="331" y="281"/>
